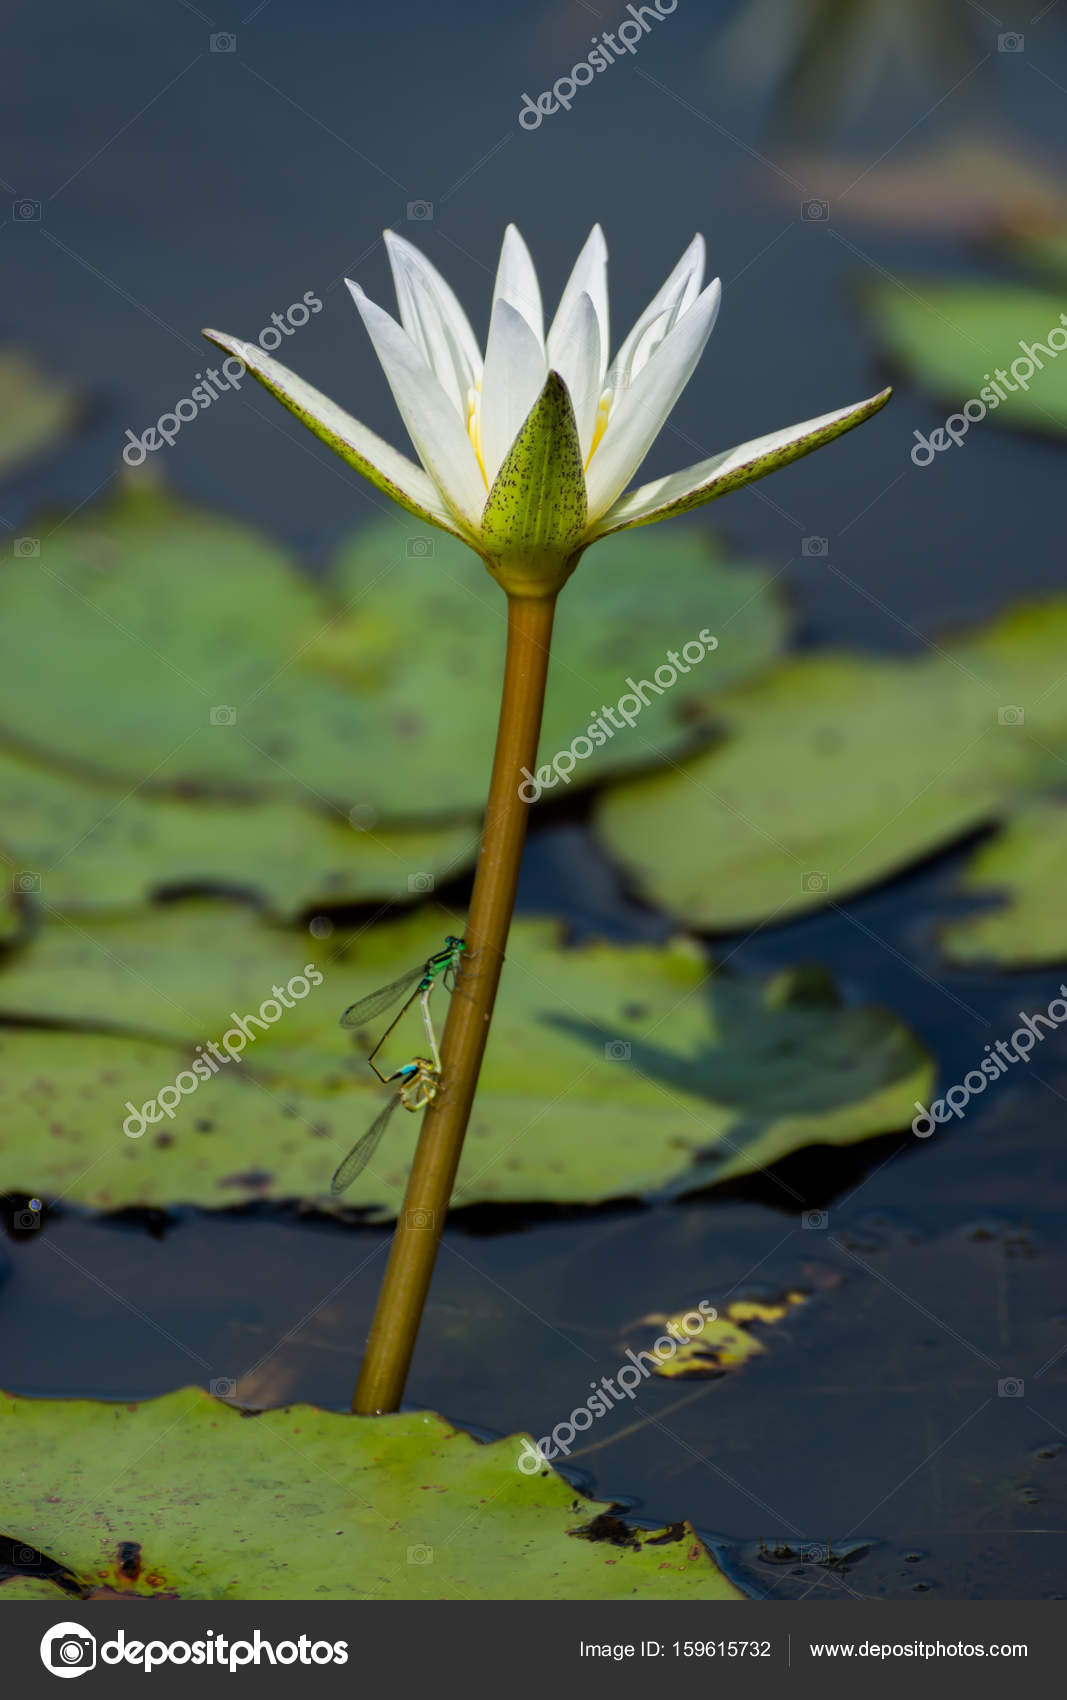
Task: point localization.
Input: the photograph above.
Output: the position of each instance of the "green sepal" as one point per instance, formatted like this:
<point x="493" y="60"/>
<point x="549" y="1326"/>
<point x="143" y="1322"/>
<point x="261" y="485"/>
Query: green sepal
<point x="535" y="516"/>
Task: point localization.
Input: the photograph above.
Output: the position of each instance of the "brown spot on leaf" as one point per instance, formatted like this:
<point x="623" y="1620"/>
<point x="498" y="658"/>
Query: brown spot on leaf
<point x="606" y="1527"/>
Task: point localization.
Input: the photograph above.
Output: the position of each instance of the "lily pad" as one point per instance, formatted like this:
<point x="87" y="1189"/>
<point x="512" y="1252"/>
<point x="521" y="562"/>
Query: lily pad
<point x="36" y="411"/>
<point x="837" y="771"/>
<point x="724" y="1342"/>
<point x="1025" y="866"/>
<point x="183" y="1497"/>
<point x="249" y="681"/>
<point x="611" y="1071"/>
<point x="85" y="846"/>
<point x="438" y="699"/>
<point x="952" y="337"/>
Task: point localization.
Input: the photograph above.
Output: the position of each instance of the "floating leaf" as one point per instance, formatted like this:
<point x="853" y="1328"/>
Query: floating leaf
<point x="725" y="1341"/>
<point x="184" y="1497"/>
<point x="1025" y="866"/>
<point x="247" y="681"/>
<point x="439" y="699"/>
<point x="952" y="337"/>
<point x="964" y="186"/>
<point x="611" y="1071"/>
<point x="86" y="845"/>
<point x="36" y="411"/>
<point x="838" y="771"/>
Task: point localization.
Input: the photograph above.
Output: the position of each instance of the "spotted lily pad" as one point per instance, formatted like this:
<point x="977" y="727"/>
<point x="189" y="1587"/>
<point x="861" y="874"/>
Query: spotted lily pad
<point x="381" y="695"/>
<point x="36" y="411"/>
<point x="85" y="845"/>
<point x="1024" y="867"/>
<point x="611" y="1071"/>
<point x="183" y="1497"/>
<point x="438" y="699"/>
<point x="835" y="772"/>
<point x="952" y="337"/>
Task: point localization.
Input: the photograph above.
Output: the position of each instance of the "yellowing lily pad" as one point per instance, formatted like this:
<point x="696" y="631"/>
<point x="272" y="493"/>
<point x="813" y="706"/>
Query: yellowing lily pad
<point x="611" y="1071"/>
<point x="84" y="845"/>
<point x="836" y="771"/>
<point x="952" y="337"/>
<point x="36" y="411"/>
<point x="183" y="1497"/>
<point x="1025" y="867"/>
<point x="724" y="1342"/>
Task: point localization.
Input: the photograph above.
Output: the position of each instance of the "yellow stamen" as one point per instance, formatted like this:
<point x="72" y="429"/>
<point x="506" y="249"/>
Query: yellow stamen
<point x="603" y="414"/>
<point x="474" y="424"/>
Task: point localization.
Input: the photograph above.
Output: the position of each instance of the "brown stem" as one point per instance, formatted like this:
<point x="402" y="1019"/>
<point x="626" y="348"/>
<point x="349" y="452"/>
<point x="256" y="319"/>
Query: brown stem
<point x="422" y="1218"/>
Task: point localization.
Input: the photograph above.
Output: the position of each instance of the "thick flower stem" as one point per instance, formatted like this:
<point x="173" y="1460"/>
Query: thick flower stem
<point x="422" y="1218"/>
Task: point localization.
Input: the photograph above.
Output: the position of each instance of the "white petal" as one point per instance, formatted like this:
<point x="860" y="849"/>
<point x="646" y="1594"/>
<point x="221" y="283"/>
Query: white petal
<point x="435" y="321"/>
<point x="440" y="437"/>
<point x="661" y="315"/>
<point x="574" y="351"/>
<point x="515" y="374"/>
<point x="516" y="282"/>
<point x="723" y="472"/>
<point x="589" y="277"/>
<point x="639" y="412"/>
<point x="388" y="470"/>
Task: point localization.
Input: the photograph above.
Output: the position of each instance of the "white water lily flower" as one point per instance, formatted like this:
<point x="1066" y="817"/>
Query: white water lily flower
<point x="527" y="453"/>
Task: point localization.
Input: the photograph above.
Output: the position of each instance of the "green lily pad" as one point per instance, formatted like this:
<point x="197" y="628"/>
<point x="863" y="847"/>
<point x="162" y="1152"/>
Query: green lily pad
<point x="952" y="337"/>
<point x="611" y="1071"/>
<point x="439" y="699"/>
<point x="184" y="1497"/>
<point x="836" y="772"/>
<point x="1024" y="866"/>
<point x="1042" y="250"/>
<point x="90" y="846"/>
<point x="36" y="411"/>
<point x="249" y="681"/>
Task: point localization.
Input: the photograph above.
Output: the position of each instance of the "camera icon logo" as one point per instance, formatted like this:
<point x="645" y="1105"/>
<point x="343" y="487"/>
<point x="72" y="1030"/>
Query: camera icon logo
<point x="1011" y="715"/>
<point x="815" y="1219"/>
<point x="617" y="1050"/>
<point x="68" y="1649"/>
<point x="1010" y="42"/>
<point x="25" y="881"/>
<point x="814" y="882"/>
<point x="420" y="212"/>
<point x="224" y="714"/>
<point x="420" y="882"/>
<point x="420" y="548"/>
<point x="223" y="1387"/>
<point x="814" y="546"/>
<point x="420" y="1555"/>
<point x="24" y="211"/>
<point x="29" y="1220"/>
<point x="817" y="212"/>
<point x="1011" y="1388"/>
<point x="418" y="1218"/>
<point x="26" y="548"/>
<point x="223" y="42"/>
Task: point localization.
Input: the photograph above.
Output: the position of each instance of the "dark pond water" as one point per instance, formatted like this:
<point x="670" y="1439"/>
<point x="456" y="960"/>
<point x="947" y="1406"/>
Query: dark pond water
<point x="914" y="1413"/>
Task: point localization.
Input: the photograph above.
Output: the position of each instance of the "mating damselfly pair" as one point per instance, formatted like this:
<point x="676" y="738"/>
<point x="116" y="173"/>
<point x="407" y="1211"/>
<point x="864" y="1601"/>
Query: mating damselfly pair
<point x="420" y="1078"/>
